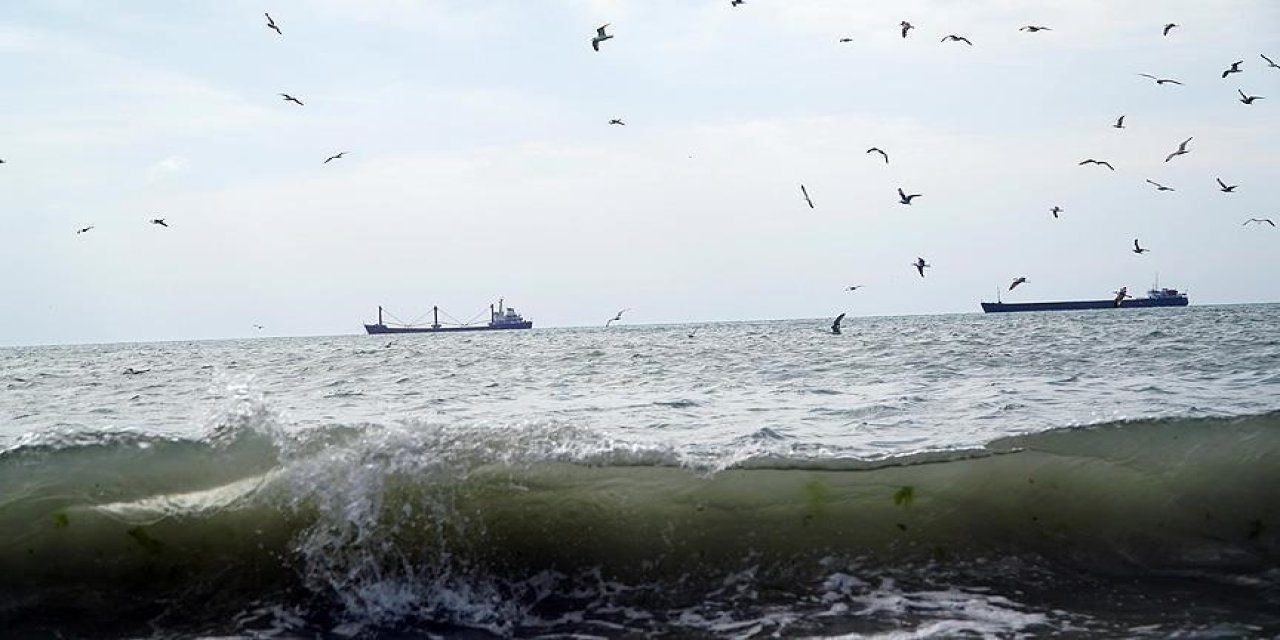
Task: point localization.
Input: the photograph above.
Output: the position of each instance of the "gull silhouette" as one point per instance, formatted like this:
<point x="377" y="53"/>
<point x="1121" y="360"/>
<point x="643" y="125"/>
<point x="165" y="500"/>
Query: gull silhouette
<point x="289" y="98"/>
<point x="1266" y="220"/>
<point x="601" y="36"/>
<point x="1055" y="210"/>
<point x="1092" y="161"/>
<point x="1249" y="99"/>
<point x="271" y="24"/>
<point x="159" y="221"/>
<point x="1119" y="123"/>
<point x="84" y="229"/>
<point x="1160" y="80"/>
<point x="1235" y="68"/>
<point x="617" y="121"/>
<point x="1160" y="187"/>
<point x="805" y="192"/>
<point x="1016" y="282"/>
<point x="1169" y="26"/>
<point x="881" y="152"/>
<point x="616" y="317"/>
<point x="1182" y="149"/>
<point x="1137" y="249"/>
<point x="1269" y="62"/>
<point x="904" y="198"/>
<point x="1033" y="28"/>
<point x="1225" y="188"/>
<point x="334" y="157"/>
<point x="920" y="265"/>
<point x="955" y="38"/>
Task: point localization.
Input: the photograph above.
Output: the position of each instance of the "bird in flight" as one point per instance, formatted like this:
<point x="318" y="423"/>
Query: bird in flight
<point x="1266" y="220"/>
<point x="853" y="288"/>
<point x="1137" y="249"/>
<point x="1269" y="62"/>
<point x="1101" y="162"/>
<point x="881" y="152"/>
<point x="1160" y="187"/>
<point x="1169" y="26"/>
<point x="1121" y="295"/>
<point x="955" y="38"/>
<point x="601" y="36"/>
<point x="258" y="327"/>
<point x="84" y="229"/>
<point x="1033" y="28"/>
<point x="335" y="156"/>
<point x="1" y="160"/>
<point x="618" y="121"/>
<point x="904" y="198"/>
<point x="733" y="3"/>
<point x="920" y="265"/>
<point x="159" y="221"/>
<point x="271" y="24"/>
<point x="1016" y="282"/>
<point x="1249" y="99"/>
<point x="1119" y="123"/>
<point x="835" y="326"/>
<point x="289" y="98"/>
<point x="1235" y="68"/>
<point x="805" y="192"/>
<point x="1226" y="188"/>
<point x="1160" y="80"/>
<point x="616" y="317"/>
<point x="1055" y="210"/>
<point x="906" y="26"/>
<point x="846" y="39"/>
<point x="1182" y="148"/>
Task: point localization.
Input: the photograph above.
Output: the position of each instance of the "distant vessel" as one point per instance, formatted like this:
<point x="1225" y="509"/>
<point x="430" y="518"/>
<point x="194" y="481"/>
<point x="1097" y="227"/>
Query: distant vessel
<point x="499" y="319"/>
<point x="1155" y="298"/>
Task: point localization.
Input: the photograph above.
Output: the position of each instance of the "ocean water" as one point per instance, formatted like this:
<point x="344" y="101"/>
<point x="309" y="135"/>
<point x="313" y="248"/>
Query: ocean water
<point x="1081" y="474"/>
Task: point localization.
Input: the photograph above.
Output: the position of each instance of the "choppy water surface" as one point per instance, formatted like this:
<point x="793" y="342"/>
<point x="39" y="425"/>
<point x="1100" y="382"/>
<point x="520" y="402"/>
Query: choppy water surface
<point x="1083" y="473"/>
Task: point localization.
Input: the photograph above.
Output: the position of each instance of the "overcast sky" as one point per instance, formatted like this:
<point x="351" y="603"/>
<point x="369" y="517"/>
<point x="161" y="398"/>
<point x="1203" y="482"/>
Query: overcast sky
<point x="480" y="162"/>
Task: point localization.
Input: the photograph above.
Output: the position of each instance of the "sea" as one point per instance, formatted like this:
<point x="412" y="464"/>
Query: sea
<point x="1089" y="474"/>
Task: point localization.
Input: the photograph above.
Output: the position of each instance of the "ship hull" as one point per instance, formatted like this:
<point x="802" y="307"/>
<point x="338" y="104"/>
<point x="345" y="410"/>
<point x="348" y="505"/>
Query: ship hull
<point x="382" y="328"/>
<point x="1077" y="305"/>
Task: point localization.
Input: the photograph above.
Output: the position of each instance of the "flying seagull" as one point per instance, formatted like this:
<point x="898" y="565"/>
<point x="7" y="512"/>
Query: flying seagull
<point x="1119" y="123"/>
<point x="1137" y="249"/>
<point x="1055" y="210"/>
<point x="130" y="371"/>
<point x="1169" y="26"/>
<point x="1017" y="281"/>
<point x="258" y="327"/>
<point x="1121" y="295"/>
<point x="1160" y="187"/>
<point x="1235" y="68"/>
<point x="616" y="318"/>
<point x="853" y="288"/>
<point x="1101" y="162"/>
<point x="906" y="26"/>
<point x="271" y="24"/>
<point x="846" y="39"/>
<point x="835" y="326"/>
<point x="289" y="98"/>
<point x="881" y="152"/>
<point x="159" y="221"/>
<point x="601" y="36"/>
<point x="805" y="192"/>
<point x="1160" y="80"/>
<point x="83" y="229"/>
<point x="1226" y="188"/>
<point x="1266" y="220"/>
<point x="1033" y="28"/>
<point x="1182" y="148"/>
<point x="1249" y="99"/>
<point x="904" y="198"/>
<point x="335" y="157"/>
<point x="1269" y="62"/>
<point x="956" y="38"/>
<point x="618" y="121"/>
<point x="920" y="265"/>
<point x="733" y="3"/>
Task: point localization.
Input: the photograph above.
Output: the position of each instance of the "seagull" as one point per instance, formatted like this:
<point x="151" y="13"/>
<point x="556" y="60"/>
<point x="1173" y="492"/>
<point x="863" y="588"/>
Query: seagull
<point x="906" y="26"/>
<point x="258" y="327"/>
<point x="1121" y="295"/>
<point x="1" y="160"/>
<point x="1101" y="162"/>
<point x="617" y="121"/>
<point x="271" y="24"/>
<point x="1055" y="210"/>
<point x="1160" y="187"/>
<point x="906" y="199"/>
<point x="84" y="230"/>
<point x="955" y="38"/>
<point x="1137" y="249"/>
<point x="1160" y="80"/>
<point x="1032" y="28"/>
<point x="1249" y="99"/>
<point x="695" y="329"/>
<point x="1182" y="148"/>
<point x="1269" y="62"/>
<point x="1227" y="188"/>
<point x="1119" y="123"/>
<point x="289" y="98"/>
<point x="601" y="36"/>
<point x="1266" y="220"/>
<point x="881" y="152"/>
<point x="920" y="265"/>
<point x="1016" y="282"/>
<point x="846" y="39"/>
<point x="335" y="157"/>
<point x="130" y="371"/>
<point x="1169" y="26"/>
<point x="733" y="3"/>
<point x="853" y="288"/>
<point x="616" y="318"/>
<point x="1235" y="68"/>
<point x="159" y="221"/>
<point x="835" y="326"/>
<point x="806" y="196"/>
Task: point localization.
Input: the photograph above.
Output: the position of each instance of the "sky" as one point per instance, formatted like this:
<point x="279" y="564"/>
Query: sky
<point x="480" y="163"/>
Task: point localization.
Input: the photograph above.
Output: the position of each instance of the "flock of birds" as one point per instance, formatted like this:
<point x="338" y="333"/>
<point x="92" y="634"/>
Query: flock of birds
<point x="904" y="198"/>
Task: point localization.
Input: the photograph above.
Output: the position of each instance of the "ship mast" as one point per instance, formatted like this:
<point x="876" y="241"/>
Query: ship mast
<point x="435" y="317"/>
<point x="379" y="314"/>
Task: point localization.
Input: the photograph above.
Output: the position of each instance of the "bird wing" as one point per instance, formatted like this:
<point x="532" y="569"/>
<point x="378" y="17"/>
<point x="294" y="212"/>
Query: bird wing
<point x="1107" y="165"/>
<point x="1147" y="75"/>
<point x="1221" y="183"/>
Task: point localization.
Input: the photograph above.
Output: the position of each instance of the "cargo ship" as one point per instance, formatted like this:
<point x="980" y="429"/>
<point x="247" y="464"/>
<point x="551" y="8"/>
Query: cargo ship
<point x="499" y="319"/>
<point x="1156" y="297"/>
